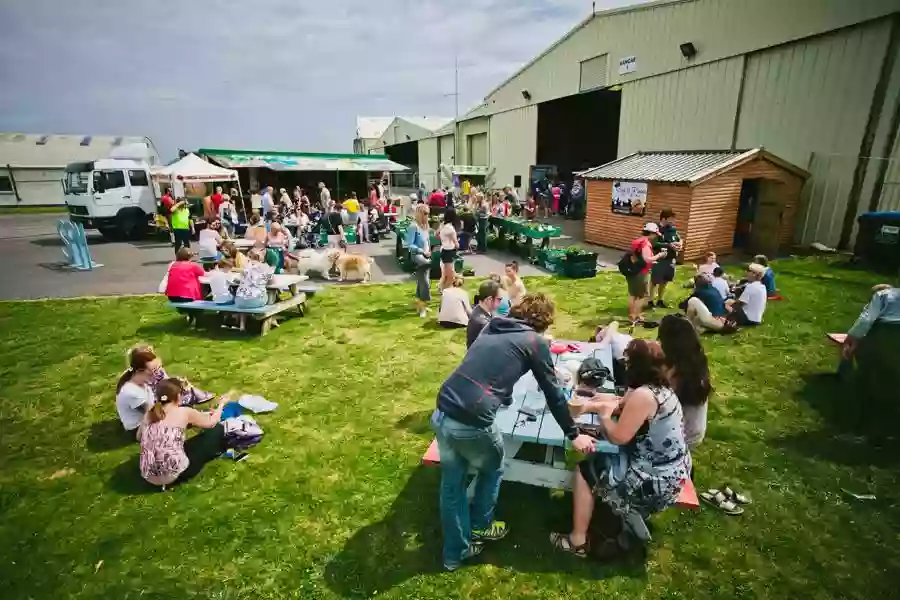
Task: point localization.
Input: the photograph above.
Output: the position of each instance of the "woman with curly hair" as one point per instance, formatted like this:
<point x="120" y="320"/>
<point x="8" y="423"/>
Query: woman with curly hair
<point x="464" y="421"/>
<point x="652" y="465"/>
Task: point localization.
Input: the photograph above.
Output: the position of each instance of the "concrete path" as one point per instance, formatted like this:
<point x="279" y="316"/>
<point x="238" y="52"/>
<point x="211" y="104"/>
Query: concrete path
<point x="31" y="252"/>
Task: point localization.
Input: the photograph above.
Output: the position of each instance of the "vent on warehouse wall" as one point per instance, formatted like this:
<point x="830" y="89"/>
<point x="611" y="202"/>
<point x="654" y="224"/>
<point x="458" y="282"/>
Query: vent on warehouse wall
<point x="594" y="73"/>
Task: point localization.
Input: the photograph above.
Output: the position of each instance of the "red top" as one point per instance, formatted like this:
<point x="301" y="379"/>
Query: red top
<point x="437" y="199"/>
<point x="217" y="201"/>
<point x="643" y="247"/>
<point x="167" y="202"/>
<point x="184" y="280"/>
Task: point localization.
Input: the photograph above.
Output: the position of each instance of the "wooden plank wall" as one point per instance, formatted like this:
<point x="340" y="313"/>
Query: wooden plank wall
<point x="603" y="227"/>
<point x="714" y="207"/>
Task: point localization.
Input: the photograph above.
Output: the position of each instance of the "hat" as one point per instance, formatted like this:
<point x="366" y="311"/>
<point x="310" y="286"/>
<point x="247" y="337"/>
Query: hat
<point x="757" y="268"/>
<point x="651" y="228"/>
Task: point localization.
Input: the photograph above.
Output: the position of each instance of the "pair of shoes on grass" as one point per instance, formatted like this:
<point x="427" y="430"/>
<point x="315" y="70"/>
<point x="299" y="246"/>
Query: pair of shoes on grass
<point x="496" y="531"/>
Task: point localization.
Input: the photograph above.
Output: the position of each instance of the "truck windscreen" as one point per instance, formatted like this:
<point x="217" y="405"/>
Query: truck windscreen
<point x="77" y="182"/>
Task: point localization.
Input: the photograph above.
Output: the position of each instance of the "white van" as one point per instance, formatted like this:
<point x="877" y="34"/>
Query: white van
<point x="114" y="195"/>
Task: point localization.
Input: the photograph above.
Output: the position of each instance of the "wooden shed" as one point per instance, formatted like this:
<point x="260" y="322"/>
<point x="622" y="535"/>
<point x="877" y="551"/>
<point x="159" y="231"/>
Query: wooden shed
<point x="724" y="200"/>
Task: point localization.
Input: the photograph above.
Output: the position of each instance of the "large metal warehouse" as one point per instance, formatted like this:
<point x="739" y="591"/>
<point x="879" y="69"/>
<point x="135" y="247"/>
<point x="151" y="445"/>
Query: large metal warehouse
<point x="816" y="82"/>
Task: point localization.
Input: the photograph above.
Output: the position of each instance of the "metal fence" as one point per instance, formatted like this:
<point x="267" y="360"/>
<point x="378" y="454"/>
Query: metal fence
<point x="826" y="196"/>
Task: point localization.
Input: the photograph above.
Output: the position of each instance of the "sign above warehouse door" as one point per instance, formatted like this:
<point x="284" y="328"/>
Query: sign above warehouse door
<point x="629" y="198"/>
<point x="627" y="64"/>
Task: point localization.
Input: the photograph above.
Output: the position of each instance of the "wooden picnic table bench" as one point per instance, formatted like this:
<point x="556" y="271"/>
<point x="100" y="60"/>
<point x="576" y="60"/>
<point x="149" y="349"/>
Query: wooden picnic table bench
<point x="552" y="471"/>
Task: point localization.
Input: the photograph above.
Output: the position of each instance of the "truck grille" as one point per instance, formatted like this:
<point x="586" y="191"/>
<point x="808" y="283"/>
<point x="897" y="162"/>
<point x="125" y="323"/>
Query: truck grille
<point x="78" y="210"/>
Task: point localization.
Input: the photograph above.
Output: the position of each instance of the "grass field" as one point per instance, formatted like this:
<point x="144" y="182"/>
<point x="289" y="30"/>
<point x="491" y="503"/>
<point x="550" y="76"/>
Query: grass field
<point x="334" y="504"/>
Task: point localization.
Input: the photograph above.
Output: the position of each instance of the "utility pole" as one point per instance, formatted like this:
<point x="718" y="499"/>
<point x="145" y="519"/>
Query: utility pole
<point x="456" y="108"/>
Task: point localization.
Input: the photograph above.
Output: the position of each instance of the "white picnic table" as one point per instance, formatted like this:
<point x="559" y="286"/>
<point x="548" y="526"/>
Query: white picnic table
<point x="282" y="281"/>
<point x="544" y="431"/>
<point x="243" y="243"/>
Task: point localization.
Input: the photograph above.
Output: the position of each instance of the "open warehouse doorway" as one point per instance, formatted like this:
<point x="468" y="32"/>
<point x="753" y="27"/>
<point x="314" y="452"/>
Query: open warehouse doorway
<point x="578" y="132"/>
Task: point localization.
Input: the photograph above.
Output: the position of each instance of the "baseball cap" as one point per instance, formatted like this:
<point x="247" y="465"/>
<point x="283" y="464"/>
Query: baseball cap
<point x="757" y="268"/>
<point x="651" y="227"/>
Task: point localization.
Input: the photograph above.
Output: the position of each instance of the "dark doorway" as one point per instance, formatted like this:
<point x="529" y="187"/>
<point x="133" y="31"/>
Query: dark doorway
<point x="407" y="154"/>
<point x="743" y="229"/>
<point x="578" y="132"/>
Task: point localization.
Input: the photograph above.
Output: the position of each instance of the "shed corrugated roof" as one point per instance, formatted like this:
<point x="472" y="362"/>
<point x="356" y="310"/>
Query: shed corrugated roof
<point x="667" y="166"/>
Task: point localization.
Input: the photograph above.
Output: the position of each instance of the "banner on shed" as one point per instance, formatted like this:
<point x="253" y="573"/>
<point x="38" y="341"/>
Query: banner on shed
<point x="629" y="198"/>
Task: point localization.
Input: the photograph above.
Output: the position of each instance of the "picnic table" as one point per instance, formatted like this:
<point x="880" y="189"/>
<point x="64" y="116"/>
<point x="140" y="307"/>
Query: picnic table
<point x="282" y="281"/>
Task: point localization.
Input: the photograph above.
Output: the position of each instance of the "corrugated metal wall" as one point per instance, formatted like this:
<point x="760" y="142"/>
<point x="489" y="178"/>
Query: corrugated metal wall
<point x="513" y="144"/>
<point x="718" y="28"/>
<point x="469" y="128"/>
<point x="692" y="109"/>
<point x="428" y="162"/>
<point x="446" y="151"/>
<point x="477" y="149"/>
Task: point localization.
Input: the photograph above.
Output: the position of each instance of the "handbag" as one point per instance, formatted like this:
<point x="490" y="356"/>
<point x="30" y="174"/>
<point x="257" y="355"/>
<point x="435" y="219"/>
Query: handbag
<point x="419" y="260"/>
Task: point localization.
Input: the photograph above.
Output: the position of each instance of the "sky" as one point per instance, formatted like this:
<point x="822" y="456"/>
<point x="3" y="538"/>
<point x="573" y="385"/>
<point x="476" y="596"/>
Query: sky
<point x="266" y="74"/>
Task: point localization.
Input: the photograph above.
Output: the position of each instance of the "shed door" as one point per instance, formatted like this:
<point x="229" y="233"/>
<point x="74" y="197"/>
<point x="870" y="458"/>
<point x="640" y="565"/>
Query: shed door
<point x="769" y="216"/>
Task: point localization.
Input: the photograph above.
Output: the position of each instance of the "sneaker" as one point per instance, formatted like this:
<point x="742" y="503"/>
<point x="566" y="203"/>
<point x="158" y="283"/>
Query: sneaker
<point x="475" y="549"/>
<point x="496" y="531"/>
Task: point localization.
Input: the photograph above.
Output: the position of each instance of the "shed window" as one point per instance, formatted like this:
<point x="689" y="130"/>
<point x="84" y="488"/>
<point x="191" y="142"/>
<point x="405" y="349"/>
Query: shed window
<point x="593" y="73"/>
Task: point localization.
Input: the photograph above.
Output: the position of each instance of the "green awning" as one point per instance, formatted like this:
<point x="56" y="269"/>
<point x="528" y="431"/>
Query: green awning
<point x="301" y="161"/>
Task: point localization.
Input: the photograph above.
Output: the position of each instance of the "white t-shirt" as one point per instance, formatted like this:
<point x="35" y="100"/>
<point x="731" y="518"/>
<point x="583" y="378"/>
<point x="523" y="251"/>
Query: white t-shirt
<point x="455" y="306"/>
<point x="707" y="268"/>
<point x="219" y="283"/>
<point x="448" y="237"/>
<point x="754" y="300"/>
<point x="132" y="402"/>
<point x="209" y="243"/>
<point x="721" y="286"/>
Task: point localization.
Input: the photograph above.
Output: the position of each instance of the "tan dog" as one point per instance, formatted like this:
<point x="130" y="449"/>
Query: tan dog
<point x="358" y="263"/>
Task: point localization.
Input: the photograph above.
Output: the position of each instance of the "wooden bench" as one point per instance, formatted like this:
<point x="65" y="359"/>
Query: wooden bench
<point x="687" y="498"/>
<point x="266" y="314"/>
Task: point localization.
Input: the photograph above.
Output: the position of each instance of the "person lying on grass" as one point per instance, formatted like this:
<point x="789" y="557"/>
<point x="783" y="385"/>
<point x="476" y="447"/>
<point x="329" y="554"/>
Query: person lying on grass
<point x="649" y="471"/>
<point x="163" y="457"/>
<point x="467" y="433"/>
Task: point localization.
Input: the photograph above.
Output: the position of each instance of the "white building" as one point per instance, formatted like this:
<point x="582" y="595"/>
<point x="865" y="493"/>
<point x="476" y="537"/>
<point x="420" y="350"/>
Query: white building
<point x="816" y="82"/>
<point x="32" y="166"/>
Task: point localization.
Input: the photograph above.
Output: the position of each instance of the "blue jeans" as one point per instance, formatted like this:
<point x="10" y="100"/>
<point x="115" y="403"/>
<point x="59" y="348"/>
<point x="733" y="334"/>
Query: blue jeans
<point x="461" y="447"/>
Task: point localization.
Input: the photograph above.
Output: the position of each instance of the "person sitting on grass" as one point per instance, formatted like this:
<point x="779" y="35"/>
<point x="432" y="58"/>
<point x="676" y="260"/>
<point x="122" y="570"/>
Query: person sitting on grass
<point x="505" y="304"/>
<point x="705" y="308"/>
<point x="252" y="292"/>
<point x="512" y="283"/>
<point x="720" y="283"/>
<point x="134" y="390"/>
<point x="487" y="301"/>
<point x="464" y="421"/>
<point x="768" y="279"/>
<point x="652" y="466"/>
<point x="163" y="457"/>
<point x="183" y="279"/>
<point x="748" y="309"/>
<point x="709" y="263"/>
<point x="455" y="310"/>
<point x="190" y="393"/>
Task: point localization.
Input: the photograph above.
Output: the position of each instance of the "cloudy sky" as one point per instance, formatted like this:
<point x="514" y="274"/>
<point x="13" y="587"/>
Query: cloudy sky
<point x="266" y="74"/>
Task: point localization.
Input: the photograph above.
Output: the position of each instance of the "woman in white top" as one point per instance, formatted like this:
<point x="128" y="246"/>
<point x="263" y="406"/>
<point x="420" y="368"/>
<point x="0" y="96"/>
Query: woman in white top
<point x="455" y="308"/>
<point x="134" y="391"/>
<point x="449" y="247"/>
<point x="211" y="240"/>
<point x="512" y="283"/>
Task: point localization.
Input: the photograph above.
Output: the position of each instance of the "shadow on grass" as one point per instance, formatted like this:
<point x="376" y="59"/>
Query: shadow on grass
<point x="407" y="542"/>
<point x="395" y="312"/>
<point x="178" y="325"/>
<point x="856" y="432"/>
<point x="109" y="435"/>
<point x="418" y="423"/>
<point x="201" y="449"/>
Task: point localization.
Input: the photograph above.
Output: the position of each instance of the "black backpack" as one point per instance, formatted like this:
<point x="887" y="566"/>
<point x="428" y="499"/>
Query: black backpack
<point x="631" y="263"/>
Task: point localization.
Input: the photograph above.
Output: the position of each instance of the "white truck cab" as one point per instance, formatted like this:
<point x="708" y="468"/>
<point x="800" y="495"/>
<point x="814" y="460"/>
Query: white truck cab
<point x="114" y="195"/>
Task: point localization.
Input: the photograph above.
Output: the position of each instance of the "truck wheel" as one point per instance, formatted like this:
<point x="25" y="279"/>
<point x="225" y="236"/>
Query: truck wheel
<point x="132" y="224"/>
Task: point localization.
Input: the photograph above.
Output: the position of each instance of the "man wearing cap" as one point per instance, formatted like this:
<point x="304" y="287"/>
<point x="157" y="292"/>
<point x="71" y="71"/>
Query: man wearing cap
<point x="748" y="309"/>
<point x="668" y="242"/>
<point x="637" y="283"/>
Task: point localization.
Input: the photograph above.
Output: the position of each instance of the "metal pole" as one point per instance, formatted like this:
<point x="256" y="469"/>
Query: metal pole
<point x="456" y="108"/>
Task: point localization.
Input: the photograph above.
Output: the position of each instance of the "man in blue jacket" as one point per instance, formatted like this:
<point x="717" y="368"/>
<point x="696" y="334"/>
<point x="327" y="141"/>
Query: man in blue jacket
<point x="464" y="421"/>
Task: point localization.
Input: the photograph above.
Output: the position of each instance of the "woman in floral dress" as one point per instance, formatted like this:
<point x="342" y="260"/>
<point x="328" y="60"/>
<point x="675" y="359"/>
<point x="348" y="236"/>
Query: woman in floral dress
<point x="648" y="473"/>
<point x="163" y="457"/>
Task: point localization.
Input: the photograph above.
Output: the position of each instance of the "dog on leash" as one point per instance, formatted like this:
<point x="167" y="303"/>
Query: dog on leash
<point x="357" y="263"/>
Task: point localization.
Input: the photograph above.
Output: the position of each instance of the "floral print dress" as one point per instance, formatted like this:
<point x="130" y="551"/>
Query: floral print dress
<point x="648" y="474"/>
<point x="162" y="453"/>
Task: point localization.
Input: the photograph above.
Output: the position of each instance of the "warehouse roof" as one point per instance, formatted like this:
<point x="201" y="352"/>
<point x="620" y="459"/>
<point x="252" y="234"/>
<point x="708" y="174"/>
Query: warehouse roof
<point x="682" y="166"/>
<point x="55" y="151"/>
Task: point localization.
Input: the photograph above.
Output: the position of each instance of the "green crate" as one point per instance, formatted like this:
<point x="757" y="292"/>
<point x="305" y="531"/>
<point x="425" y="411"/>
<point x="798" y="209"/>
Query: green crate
<point x="579" y="270"/>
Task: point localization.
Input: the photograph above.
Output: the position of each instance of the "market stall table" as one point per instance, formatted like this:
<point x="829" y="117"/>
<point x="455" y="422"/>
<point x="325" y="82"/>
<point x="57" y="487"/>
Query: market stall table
<point x="530" y="230"/>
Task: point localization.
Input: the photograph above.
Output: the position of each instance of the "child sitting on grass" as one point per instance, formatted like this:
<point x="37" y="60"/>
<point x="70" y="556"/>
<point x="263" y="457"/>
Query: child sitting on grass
<point x="512" y="283"/>
<point x="768" y="279"/>
<point x="505" y="304"/>
<point x="709" y="263"/>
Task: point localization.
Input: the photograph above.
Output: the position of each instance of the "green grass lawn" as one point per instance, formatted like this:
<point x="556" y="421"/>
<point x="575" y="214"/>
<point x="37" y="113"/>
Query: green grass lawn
<point x="334" y="502"/>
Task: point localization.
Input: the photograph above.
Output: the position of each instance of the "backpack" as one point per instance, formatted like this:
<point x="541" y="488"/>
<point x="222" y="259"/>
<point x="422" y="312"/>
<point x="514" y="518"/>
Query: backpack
<point x="241" y="432"/>
<point x="631" y="263"/>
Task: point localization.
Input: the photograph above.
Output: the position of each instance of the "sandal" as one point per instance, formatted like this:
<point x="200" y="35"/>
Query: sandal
<point x="720" y="500"/>
<point x="736" y="497"/>
<point x="562" y="541"/>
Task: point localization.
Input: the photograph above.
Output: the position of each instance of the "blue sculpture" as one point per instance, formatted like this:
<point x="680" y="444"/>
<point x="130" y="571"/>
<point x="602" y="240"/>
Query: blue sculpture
<point x="76" y="251"/>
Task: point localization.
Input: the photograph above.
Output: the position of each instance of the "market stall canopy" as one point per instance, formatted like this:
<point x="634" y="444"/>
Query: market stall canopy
<point x="301" y="161"/>
<point x="193" y="168"/>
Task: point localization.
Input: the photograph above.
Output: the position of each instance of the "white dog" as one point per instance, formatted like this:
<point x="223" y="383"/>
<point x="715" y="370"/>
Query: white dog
<point x="316" y="262"/>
